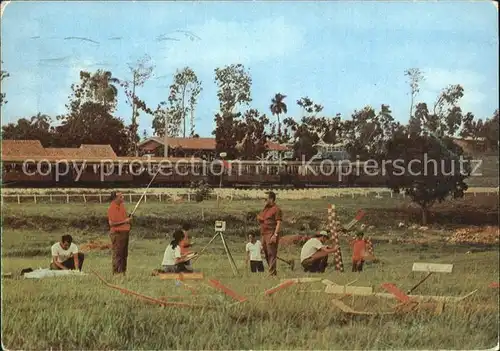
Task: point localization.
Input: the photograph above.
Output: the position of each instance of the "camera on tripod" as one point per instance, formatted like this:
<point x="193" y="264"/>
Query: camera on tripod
<point x="220" y="226"/>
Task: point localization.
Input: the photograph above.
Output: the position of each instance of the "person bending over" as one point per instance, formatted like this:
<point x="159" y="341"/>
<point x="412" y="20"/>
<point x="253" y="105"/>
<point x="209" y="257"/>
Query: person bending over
<point x="254" y="252"/>
<point x="314" y="254"/>
<point x="65" y="255"/>
<point x="173" y="260"/>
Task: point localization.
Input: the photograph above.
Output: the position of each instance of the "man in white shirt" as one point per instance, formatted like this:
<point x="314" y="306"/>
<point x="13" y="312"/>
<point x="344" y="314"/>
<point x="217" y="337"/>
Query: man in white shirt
<point x="65" y="255"/>
<point x="254" y="252"/>
<point x="314" y="254"/>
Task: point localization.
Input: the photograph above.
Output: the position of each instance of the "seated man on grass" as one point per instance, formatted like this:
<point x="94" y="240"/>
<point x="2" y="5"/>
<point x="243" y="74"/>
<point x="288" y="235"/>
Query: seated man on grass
<point x="173" y="260"/>
<point x="314" y="254"/>
<point x="65" y="255"/>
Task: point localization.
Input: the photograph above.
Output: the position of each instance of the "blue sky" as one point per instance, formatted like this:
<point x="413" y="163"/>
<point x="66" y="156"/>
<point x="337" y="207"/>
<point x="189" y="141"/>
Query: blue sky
<point x="343" y="55"/>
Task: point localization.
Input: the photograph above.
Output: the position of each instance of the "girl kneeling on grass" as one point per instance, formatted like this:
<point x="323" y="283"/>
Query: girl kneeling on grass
<point x="173" y="261"/>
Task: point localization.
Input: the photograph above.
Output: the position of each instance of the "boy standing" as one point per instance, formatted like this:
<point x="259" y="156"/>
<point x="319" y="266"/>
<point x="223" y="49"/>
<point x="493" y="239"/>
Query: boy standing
<point x="254" y="251"/>
<point x="358" y="252"/>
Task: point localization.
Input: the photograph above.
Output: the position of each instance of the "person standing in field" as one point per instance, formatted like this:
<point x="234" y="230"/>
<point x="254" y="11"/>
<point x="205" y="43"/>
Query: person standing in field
<point x="119" y="224"/>
<point x="314" y="253"/>
<point x="270" y="219"/>
<point x="254" y="252"/>
<point x="65" y="255"/>
<point x="185" y="244"/>
<point x="358" y="252"/>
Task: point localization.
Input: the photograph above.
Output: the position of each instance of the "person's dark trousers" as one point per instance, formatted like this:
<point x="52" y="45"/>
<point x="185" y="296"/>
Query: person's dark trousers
<point x="70" y="263"/>
<point x="315" y="266"/>
<point x="119" y="243"/>
<point x="256" y="266"/>
<point x="357" y="266"/>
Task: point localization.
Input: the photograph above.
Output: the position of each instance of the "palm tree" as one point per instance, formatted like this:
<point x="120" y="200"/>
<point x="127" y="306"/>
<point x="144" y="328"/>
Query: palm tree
<point x="104" y="89"/>
<point x="278" y="107"/>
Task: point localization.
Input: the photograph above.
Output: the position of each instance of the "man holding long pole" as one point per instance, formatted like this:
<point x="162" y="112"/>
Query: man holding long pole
<point x="119" y="224"/>
<point x="270" y="223"/>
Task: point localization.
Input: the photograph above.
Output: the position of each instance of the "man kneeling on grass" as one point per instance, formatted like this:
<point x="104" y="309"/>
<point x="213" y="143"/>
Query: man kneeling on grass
<point x="173" y="260"/>
<point x="314" y="254"/>
<point x="65" y="255"/>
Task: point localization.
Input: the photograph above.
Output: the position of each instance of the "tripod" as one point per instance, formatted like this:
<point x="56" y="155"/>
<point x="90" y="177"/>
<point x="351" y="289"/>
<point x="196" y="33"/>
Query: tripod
<point x="226" y="248"/>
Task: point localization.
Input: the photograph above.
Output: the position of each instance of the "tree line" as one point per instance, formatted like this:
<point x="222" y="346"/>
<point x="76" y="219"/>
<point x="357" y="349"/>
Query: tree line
<point x="242" y="131"/>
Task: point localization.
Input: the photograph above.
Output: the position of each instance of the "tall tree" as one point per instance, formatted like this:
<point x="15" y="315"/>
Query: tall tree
<point x="3" y="75"/>
<point x="251" y="135"/>
<point x="367" y="132"/>
<point x="491" y="132"/>
<point x="309" y="131"/>
<point x="278" y="107"/>
<point x="166" y="114"/>
<point x="426" y="170"/>
<point x="225" y="134"/>
<point x="93" y="124"/>
<point x="234" y="83"/>
<point x="184" y="93"/>
<point x="141" y="71"/>
<point x="415" y="77"/>
<point x="308" y="106"/>
<point x="98" y="87"/>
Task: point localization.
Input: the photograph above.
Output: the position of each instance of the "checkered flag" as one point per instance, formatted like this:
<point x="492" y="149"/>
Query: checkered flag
<point x="334" y="231"/>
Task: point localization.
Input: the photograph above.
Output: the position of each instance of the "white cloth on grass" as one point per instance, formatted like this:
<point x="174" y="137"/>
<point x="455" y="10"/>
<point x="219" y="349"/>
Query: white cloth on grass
<point x="63" y="255"/>
<point x="310" y="248"/>
<point x="170" y="255"/>
<point x="45" y="272"/>
<point x="254" y="250"/>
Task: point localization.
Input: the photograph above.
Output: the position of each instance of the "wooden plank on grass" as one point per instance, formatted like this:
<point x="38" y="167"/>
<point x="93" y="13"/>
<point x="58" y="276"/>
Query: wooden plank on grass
<point x="342" y="306"/>
<point x="432" y="267"/>
<point x="347" y="289"/>
<point x="448" y="299"/>
<point x="218" y="285"/>
<point x="283" y="285"/>
<point x="328" y="282"/>
<point x="181" y="276"/>
<point x="302" y="280"/>
<point x="393" y="289"/>
<point x="346" y="309"/>
<point x="144" y="297"/>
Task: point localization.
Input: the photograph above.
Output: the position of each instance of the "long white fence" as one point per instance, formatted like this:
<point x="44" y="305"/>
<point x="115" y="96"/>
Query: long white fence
<point x="179" y="195"/>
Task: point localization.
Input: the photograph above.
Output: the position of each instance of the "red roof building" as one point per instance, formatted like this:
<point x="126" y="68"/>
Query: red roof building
<point x="187" y="147"/>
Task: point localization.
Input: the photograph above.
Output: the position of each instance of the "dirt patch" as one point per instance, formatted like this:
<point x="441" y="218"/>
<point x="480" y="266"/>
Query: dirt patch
<point x="477" y="235"/>
<point x="95" y="246"/>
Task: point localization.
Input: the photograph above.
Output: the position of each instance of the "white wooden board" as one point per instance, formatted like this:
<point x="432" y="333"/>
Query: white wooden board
<point x="432" y="267"/>
<point x="354" y="290"/>
<point x="328" y="282"/>
<point x="302" y="280"/>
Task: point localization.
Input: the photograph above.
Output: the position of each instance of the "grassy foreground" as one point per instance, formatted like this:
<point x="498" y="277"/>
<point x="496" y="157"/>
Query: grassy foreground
<point x="82" y="313"/>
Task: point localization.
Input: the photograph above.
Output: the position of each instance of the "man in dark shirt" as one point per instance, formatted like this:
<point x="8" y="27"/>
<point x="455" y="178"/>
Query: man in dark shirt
<point x="270" y="219"/>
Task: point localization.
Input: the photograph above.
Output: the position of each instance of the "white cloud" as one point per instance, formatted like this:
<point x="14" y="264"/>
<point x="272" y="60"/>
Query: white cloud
<point x="233" y="42"/>
<point x="436" y="79"/>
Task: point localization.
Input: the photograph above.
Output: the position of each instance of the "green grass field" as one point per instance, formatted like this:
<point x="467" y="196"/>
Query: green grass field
<point x="82" y="313"/>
